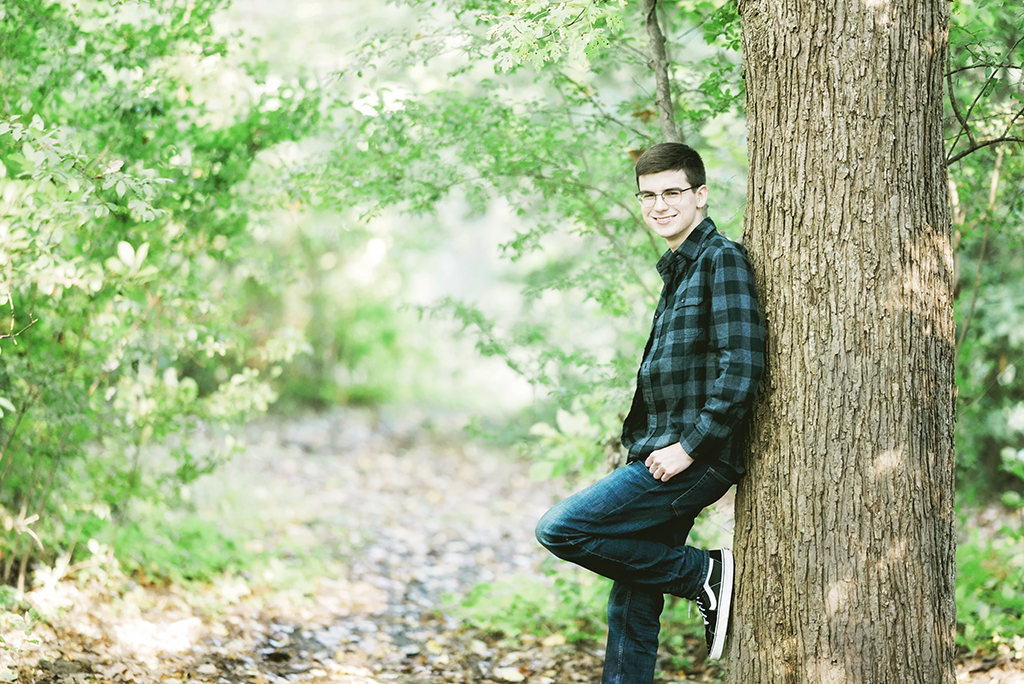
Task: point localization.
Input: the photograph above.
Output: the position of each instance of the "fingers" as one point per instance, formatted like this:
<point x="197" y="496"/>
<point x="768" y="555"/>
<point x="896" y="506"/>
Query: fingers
<point x="652" y="465"/>
<point x="658" y="471"/>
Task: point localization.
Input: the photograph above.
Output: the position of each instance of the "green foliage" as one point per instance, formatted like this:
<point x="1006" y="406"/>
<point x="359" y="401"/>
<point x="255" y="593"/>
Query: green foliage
<point x="341" y="299"/>
<point x="15" y="616"/>
<point x="990" y="592"/>
<point x="11" y="622"/>
<point x="1013" y="463"/>
<point x="571" y="604"/>
<point x="990" y="320"/>
<point x="125" y="200"/>
<point x="582" y="444"/>
<point x="681" y="626"/>
<point x="986" y="92"/>
<point x="986" y="105"/>
<point x="174" y="546"/>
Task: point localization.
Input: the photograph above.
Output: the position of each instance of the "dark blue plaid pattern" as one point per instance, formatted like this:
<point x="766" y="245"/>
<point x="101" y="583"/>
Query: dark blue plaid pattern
<point x="705" y="355"/>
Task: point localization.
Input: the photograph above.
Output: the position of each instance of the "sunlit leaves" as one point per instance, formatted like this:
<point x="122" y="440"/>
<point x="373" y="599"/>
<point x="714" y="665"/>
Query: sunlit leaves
<point x="540" y="31"/>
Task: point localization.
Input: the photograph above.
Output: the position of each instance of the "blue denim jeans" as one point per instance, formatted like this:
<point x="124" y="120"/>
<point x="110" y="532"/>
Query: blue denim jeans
<point x="632" y="529"/>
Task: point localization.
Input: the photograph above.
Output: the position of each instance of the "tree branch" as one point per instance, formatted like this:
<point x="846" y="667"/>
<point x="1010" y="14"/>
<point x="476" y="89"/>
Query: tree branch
<point x="659" y="64"/>
<point x="959" y="116"/>
<point x="963" y="119"/>
<point x="982" y="65"/>
<point x="981" y="145"/>
<point x="1012" y="121"/>
<point x="970" y="110"/>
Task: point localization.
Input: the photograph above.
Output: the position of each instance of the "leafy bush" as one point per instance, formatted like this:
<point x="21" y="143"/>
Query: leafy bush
<point x="125" y="200"/>
<point x="990" y="591"/>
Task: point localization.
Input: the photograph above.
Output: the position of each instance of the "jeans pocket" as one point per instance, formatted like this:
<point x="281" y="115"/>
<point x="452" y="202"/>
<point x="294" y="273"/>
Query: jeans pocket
<point x="719" y="476"/>
<point x="707" y="490"/>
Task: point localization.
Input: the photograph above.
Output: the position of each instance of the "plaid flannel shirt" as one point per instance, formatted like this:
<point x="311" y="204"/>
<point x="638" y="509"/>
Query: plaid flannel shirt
<point x="705" y="355"/>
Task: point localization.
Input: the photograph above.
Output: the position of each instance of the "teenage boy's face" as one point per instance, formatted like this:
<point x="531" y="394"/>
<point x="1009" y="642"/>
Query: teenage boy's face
<point x="673" y="222"/>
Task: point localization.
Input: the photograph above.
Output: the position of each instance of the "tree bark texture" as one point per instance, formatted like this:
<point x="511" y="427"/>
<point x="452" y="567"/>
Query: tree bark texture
<point x="845" y="523"/>
<point x="659" y="65"/>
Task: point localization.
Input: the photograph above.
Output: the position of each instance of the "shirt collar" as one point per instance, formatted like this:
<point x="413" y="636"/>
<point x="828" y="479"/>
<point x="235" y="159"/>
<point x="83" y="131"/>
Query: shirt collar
<point x="673" y="261"/>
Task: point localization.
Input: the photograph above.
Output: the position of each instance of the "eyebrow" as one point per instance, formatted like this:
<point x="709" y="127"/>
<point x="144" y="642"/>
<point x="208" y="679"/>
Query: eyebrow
<point x="651" y="192"/>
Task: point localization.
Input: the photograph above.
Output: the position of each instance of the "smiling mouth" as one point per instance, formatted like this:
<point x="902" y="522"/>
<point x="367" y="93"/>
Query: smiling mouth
<point x="663" y="219"/>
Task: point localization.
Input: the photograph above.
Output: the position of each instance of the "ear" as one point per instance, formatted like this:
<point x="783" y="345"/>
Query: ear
<point x="702" y="197"/>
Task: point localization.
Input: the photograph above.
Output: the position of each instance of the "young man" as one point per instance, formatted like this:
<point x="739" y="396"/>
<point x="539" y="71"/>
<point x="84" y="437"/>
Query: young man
<point x="683" y="434"/>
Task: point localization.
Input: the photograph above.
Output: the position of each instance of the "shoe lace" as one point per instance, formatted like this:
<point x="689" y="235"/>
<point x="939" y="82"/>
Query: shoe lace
<point x="701" y="608"/>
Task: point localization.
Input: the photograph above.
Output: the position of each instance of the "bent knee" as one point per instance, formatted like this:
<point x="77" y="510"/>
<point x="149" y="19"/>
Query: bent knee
<point x="552" y="531"/>
<point x="544" y="531"/>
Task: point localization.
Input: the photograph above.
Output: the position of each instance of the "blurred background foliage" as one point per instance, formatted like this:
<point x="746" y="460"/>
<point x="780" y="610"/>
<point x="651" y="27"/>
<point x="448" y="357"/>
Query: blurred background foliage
<point x="127" y="144"/>
<point x="208" y="210"/>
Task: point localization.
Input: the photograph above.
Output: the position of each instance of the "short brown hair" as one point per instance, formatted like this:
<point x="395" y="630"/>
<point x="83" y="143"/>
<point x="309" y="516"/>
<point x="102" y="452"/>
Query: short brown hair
<point x="672" y="157"/>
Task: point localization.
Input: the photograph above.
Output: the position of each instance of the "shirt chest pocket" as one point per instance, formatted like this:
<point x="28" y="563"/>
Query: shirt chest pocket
<point x="690" y="320"/>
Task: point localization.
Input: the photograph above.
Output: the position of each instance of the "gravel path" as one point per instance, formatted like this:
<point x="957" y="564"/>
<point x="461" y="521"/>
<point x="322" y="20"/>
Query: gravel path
<point x="403" y="516"/>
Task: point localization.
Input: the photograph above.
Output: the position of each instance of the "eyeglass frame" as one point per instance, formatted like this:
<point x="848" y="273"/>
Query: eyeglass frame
<point x="641" y="196"/>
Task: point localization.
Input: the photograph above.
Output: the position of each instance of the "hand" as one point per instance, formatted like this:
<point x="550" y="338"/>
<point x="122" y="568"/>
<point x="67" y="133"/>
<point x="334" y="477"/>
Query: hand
<point x="666" y="463"/>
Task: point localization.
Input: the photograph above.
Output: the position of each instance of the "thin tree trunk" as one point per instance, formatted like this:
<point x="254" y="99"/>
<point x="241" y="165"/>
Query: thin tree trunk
<point x="845" y="523"/>
<point x="659" y="65"/>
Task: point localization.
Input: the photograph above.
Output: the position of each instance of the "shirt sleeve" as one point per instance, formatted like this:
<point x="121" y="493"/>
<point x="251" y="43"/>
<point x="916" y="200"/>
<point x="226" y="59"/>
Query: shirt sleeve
<point x="736" y="335"/>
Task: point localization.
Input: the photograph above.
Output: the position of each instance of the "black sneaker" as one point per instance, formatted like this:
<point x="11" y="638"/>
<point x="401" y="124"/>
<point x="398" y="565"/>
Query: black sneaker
<point x="714" y="600"/>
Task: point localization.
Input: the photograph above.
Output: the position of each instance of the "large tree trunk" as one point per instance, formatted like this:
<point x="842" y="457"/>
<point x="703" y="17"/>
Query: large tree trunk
<point x="845" y="524"/>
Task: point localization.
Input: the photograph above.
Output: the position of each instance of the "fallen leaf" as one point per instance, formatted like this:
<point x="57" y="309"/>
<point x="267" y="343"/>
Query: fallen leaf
<point x="509" y="674"/>
<point x="553" y="640"/>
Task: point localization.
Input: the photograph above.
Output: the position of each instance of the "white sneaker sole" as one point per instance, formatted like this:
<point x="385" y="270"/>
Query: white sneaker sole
<point x="724" y="602"/>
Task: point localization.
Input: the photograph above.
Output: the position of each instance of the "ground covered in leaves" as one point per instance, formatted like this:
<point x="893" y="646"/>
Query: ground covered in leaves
<point x="366" y="528"/>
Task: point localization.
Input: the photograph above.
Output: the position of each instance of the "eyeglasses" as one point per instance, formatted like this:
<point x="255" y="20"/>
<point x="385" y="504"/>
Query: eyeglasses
<point x="672" y="196"/>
